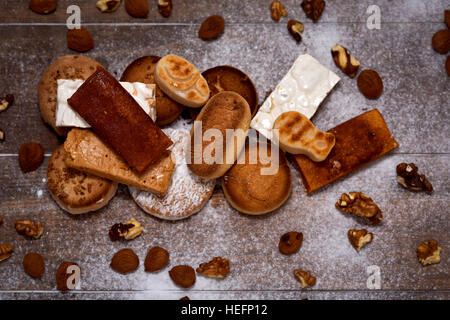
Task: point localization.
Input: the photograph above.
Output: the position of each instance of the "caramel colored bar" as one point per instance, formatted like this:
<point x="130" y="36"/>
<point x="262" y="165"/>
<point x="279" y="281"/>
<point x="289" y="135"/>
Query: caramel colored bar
<point x="359" y="141"/>
<point x="119" y="121"/>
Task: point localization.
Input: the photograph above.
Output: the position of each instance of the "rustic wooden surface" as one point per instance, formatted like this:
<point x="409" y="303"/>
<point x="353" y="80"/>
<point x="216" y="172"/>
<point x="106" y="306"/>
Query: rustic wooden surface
<point x="415" y="105"/>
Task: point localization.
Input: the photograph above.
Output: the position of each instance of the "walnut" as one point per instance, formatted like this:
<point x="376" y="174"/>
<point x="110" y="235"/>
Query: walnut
<point x="165" y="7"/>
<point x="313" y="8"/>
<point x="108" y="5"/>
<point x="360" y="205"/>
<point x="217" y="268"/>
<point x="29" y="228"/>
<point x="295" y="28"/>
<point x="277" y="10"/>
<point x="5" y="251"/>
<point x="6" y="102"/>
<point x="429" y="252"/>
<point x="344" y="60"/>
<point x="359" y="238"/>
<point x="305" y="278"/>
<point x="128" y="230"/>
<point x="409" y="178"/>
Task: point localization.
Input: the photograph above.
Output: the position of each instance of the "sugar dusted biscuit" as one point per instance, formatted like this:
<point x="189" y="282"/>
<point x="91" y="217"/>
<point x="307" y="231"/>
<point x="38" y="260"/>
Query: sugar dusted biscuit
<point x="181" y="81"/>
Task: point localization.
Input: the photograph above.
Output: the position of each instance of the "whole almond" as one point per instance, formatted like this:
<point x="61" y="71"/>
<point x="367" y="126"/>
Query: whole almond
<point x="441" y="41"/>
<point x="183" y="276"/>
<point x="31" y="156"/>
<point x="370" y="84"/>
<point x="34" y="264"/>
<point x="79" y="40"/>
<point x="137" y="8"/>
<point x="43" y="6"/>
<point x="125" y="261"/>
<point x="157" y="258"/>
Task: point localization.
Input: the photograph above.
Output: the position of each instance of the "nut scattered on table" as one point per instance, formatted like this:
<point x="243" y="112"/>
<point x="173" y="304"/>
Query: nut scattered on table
<point x="295" y="28"/>
<point x="6" y="251"/>
<point x="218" y="267"/>
<point x="31" y="156"/>
<point x="2" y="135"/>
<point x="128" y="230"/>
<point x="290" y="242"/>
<point x="6" y="102"/>
<point x="313" y="8"/>
<point x="358" y="204"/>
<point x="165" y="7"/>
<point x="185" y="298"/>
<point x="277" y="10"/>
<point x="108" y="5"/>
<point x="211" y="28"/>
<point x="359" y="238"/>
<point x="1" y="221"/>
<point x="344" y="60"/>
<point x="183" y="276"/>
<point x="34" y="264"/>
<point x="79" y="40"/>
<point x="157" y="258"/>
<point x="62" y="275"/>
<point x="125" y="261"/>
<point x="429" y="252"/>
<point x="305" y="278"/>
<point x="43" y="6"/>
<point x="370" y="84"/>
<point x="29" y="228"/>
<point x="408" y="177"/>
<point x="137" y="8"/>
<point x="441" y="41"/>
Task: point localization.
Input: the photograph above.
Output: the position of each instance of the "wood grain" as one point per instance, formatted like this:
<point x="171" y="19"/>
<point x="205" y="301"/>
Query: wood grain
<point x="414" y="105"/>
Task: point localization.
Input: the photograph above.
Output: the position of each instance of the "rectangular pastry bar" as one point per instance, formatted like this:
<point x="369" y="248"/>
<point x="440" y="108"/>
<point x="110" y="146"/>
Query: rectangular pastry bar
<point x="87" y="153"/>
<point x="119" y="121"/>
<point x="359" y="141"/>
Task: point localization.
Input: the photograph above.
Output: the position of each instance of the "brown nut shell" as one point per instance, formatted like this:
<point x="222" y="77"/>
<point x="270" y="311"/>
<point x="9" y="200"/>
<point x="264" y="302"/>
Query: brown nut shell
<point x="290" y="242"/>
<point x="370" y="84"/>
<point x="183" y="276"/>
<point x="79" y="40"/>
<point x="137" y="8"/>
<point x="211" y="28"/>
<point x="125" y="261"/>
<point x="34" y="264"/>
<point x="31" y="156"/>
<point x="157" y="258"/>
<point x="441" y="41"/>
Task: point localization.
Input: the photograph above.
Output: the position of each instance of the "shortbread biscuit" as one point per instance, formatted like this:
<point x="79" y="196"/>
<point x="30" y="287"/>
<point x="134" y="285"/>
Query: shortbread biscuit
<point x="297" y="135"/>
<point x="142" y="70"/>
<point x="68" y="67"/>
<point x="252" y="191"/>
<point x="74" y="191"/>
<point x="88" y="153"/>
<point x="187" y="193"/>
<point x="181" y="81"/>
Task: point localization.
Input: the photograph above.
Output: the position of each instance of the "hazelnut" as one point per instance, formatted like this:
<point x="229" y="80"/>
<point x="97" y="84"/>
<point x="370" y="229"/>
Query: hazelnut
<point x="5" y="251"/>
<point x="29" y="228"/>
<point x="183" y="276"/>
<point x="157" y="258"/>
<point x="165" y="7"/>
<point x="290" y="242"/>
<point x="358" y="204"/>
<point x="305" y="278"/>
<point x="441" y="41"/>
<point x="108" y="5"/>
<point x="359" y="238"/>
<point x="217" y="268"/>
<point x="277" y="10"/>
<point x="429" y="252"/>
<point x="295" y="28"/>
<point x="313" y="8"/>
<point x="370" y="84"/>
<point x="344" y="60"/>
<point x="6" y="102"/>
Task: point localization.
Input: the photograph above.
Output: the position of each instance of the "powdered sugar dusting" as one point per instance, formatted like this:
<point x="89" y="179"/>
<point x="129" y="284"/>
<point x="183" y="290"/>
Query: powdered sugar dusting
<point x="187" y="193"/>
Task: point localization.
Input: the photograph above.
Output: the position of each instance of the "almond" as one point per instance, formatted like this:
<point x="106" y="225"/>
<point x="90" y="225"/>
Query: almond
<point x="125" y="261"/>
<point x="34" y="264"/>
<point x="43" y="6"/>
<point x="79" y="40"/>
<point x="31" y="156"/>
<point x="137" y="8"/>
<point x="183" y="276"/>
<point x="370" y="84"/>
<point x="157" y="258"/>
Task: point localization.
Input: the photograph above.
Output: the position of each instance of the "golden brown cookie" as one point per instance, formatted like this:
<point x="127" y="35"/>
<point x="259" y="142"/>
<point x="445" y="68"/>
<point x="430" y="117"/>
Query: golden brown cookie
<point x="142" y="70"/>
<point x="74" y="191"/>
<point x="67" y="67"/>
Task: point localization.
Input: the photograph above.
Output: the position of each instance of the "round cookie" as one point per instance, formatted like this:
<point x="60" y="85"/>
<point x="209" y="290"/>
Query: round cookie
<point x="74" y="191"/>
<point x="142" y="70"/>
<point x="249" y="191"/>
<point x="227" y="78"/>
<point x="67" y="67"/>
<point x="187" y="193"/>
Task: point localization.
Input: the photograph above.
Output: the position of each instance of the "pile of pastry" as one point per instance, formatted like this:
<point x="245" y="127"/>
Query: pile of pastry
<point x="130" y="132"/>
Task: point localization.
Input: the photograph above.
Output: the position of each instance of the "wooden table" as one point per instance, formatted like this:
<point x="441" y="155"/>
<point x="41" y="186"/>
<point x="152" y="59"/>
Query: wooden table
<point x="415" y="105"/>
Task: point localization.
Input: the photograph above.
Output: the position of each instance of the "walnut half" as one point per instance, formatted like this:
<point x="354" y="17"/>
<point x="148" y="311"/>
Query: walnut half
<point x="5" y="251"/>
<point x="217" y="268"/>
<point x="429" y="252"/>
<point x="277" y="10"/>
<point x="359" y="238"/>
<point x="305" y="278"/>
<point x="408" y="177"/>
<point x="128" y="230"/>
<point x="29" y="228"/>
<point x="360" y="205"/>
